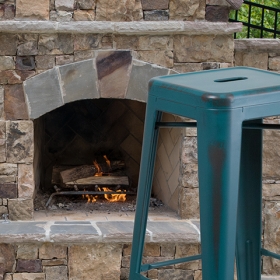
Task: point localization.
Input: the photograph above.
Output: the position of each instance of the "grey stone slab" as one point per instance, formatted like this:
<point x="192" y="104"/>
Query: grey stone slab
<point x="22" y="232"/>
<point x="43" y="93"/>
<point x="73" y="233"/>
<point x="140" y="75"/>
<point x="78" y="81"/>
<point x="173" y="232"/>
<point x="116" y="231"/>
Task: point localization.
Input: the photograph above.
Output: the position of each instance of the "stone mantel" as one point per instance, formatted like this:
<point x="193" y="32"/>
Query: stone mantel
<point x="128" y="28"/>
<point x="259" y="45"/>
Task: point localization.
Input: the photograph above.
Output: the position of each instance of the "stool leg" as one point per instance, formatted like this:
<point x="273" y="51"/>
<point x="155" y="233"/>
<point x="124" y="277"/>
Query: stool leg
<point x="219" y="148"/>
<point x="144" y="189"/>
<point x="249" y="229"/>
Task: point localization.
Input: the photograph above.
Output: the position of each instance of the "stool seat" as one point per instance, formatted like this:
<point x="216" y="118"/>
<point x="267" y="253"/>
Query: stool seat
<point x="228" y="105"/>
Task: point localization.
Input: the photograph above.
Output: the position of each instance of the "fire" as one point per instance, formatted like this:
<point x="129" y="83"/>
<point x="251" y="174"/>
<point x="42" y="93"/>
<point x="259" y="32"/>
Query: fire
<point x="90" y="198"/>
<point x="107" y="161"/>
<point x="114" y="197"/>
<point x="98" y="173"/>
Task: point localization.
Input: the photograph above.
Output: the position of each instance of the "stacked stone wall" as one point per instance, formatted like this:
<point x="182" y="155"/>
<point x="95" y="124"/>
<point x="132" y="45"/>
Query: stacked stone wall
<point x="48" y="261"/>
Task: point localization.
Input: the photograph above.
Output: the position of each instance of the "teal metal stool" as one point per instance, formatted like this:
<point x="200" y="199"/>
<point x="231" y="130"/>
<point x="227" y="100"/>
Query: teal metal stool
<point x="228" y="105"/>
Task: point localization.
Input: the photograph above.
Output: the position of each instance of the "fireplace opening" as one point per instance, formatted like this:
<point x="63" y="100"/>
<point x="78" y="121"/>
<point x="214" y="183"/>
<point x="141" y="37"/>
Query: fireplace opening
<point x="88" y="152"/>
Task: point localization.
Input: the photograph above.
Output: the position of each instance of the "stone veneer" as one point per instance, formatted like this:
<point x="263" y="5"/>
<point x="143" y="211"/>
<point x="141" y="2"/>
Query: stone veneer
<point x="93" y="250"/>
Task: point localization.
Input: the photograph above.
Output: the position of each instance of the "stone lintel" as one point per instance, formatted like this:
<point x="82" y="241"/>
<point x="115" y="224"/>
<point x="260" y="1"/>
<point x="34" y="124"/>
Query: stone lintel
<point x="127" y="28"/>
<point x="260" y="45"/>
<point x="75" y="232"/>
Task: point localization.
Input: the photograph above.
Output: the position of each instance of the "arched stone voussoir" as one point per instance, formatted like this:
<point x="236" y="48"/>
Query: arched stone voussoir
<point x="111" y="74"/>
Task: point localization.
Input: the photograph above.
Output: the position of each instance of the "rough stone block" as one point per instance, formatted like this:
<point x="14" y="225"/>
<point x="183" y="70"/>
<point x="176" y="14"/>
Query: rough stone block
<point x="56" y="272"/>
<point x="27" y="252"/>
<point x="86" y="4"/>
<point x="151" y="43"/>
<point x="78" y="81"/>
<point x="86" y="42"/>
<point x="119" y="10"/>
<point x="14" y="76"/>
<point x="7" y="63"/>
<point x="113" y="69"/>
<point x="44" y="62"/>
<point x="38" y="10"/>
<point x="7" y="258"/>
<point x="186" y="9"/>
<point x="151" y="250"/>
<point x="7" y="11"/>
<point x="55" y="44"/>
<point x="167" y="274"/>
<point x="64" y="5"/>
<point x="8" y="276"/>
<point x="127" y="42"/>
<point x="183" y="250"/>
<point x="43" y="93"/>
<point x="155" y="5"/>
<point x="140" y="75"/>
<point x="61" y="16"/>
<point x="8" y="190"/>
<point x="25" y="63"/>
<point x="28" y="48"/>
<point x="188" y="203"/>
<point x="271" y="150"/>
<point x="20" y="209"/>
<point x="52" y="251"/>
<point x="20" y="146"/>
<point x="83" y="55"/>
<point x="271" y="191"/>
<point x="8" y="169"/>
<point x="85" y="261"/>
<point x="3" y="210"/>
<point x="31" y="266"/>
<point x="217" y="13"/>
<point x="167" y="250"/>
<point x="64" y="59"/>
<point x="83" y="15"/>
<point x="274" y="63"/>
<point x="156" y="15"/>
<point x="162" y="58"/>
<point x="271" y="236"/>
<point x="14" y="105"/>
<point x="26" y="184"/>
<point x="252" y="59"/>
<point x="29" y="276"/>
<point x="200" y="48"/>
<point x="8" y="44"/>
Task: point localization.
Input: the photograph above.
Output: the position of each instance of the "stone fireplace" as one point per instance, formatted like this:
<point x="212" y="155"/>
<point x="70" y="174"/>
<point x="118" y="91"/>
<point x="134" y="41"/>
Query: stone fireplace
<point x="65" y="75"/>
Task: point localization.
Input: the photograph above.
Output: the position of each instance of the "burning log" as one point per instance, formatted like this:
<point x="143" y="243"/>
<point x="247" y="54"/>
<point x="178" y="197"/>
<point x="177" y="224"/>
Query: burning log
<point x="101" y="180"/>
<point x="85" y="171"/>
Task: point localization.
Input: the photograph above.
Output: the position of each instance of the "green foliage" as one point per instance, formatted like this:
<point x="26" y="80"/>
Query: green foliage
<point x="256" y="19"/>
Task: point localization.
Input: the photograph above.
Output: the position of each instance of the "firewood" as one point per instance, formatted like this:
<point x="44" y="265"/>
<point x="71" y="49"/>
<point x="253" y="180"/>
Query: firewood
<point x="101" y="180"/>
<point x="85" y="171"/>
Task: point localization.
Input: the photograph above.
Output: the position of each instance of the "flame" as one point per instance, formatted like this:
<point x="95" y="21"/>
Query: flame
<point x="90" y="198"/>
<point x="114" y="197"/>
<point x="107" y="161"/>
<point x="98" y="173"/>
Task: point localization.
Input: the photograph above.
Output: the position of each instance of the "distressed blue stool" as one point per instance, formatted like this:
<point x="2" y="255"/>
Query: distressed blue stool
<point x="228" y="105"/>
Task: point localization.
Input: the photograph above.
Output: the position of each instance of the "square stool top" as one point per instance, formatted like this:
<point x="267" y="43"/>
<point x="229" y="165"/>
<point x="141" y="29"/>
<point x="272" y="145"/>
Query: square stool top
<point x="222" y="88"/>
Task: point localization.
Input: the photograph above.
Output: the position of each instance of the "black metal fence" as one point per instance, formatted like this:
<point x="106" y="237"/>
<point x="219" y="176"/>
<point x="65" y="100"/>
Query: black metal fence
<point x="259" y="21"/>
